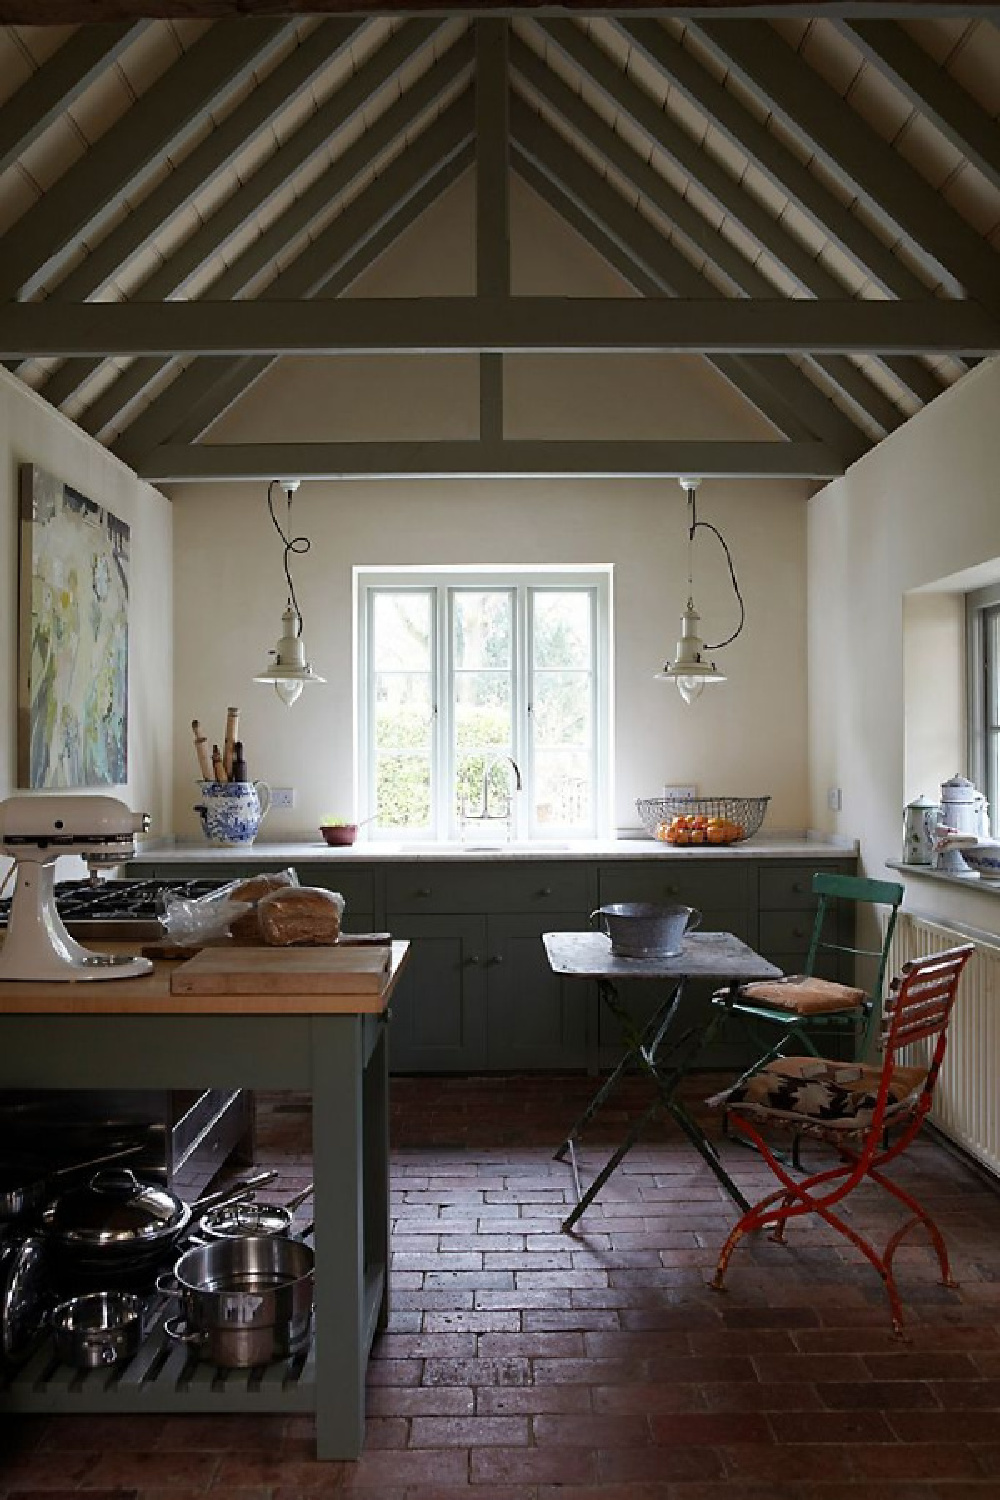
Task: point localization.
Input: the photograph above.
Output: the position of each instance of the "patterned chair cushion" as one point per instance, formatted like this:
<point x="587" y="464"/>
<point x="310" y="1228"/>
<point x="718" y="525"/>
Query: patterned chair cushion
<point x="804" y="995"/>
<point x="822" y="1095"/>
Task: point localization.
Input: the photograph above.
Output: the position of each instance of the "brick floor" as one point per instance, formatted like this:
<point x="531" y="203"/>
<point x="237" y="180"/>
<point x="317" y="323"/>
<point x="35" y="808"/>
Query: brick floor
<point x="525" y="1364"/>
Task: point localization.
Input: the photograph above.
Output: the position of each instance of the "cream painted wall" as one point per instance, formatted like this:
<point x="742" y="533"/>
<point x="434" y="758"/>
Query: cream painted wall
<point x="748" y="737"/>
<point x="32" y="432"/>
<point x="919" y="508"/>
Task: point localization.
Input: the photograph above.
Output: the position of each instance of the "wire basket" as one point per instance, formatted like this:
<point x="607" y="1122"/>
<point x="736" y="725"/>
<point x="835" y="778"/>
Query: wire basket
<point x="702" y="820"/>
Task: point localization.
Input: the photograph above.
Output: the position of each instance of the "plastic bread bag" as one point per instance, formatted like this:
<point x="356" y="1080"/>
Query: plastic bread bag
<point x="245" y="928"/>
<point x="301" y="914"/>
<point x="200" y="921"/>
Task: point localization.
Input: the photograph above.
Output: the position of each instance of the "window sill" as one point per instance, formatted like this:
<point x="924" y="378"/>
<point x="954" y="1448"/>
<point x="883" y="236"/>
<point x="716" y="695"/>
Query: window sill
<point x="972" y="881"/>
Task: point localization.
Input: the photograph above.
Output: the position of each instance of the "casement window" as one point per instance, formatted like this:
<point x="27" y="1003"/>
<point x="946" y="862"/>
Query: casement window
<point x="470" y="681"/>
<point x="983" y="617"/>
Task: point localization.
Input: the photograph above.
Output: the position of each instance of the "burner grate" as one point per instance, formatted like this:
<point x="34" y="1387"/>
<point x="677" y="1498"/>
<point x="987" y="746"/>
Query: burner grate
<point x="118" y="900"/>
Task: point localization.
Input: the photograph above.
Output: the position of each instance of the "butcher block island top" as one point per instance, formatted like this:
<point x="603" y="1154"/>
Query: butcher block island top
<point x="265" y="981"/>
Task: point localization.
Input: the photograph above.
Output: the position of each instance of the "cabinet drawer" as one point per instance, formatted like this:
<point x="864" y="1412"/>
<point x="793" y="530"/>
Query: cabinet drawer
<point x="493" y="887"/>
<point x="712" y="885"/>
<point x="786" y="932"/>
<point x="356" y="886"/>
<point x="791" y="885"/>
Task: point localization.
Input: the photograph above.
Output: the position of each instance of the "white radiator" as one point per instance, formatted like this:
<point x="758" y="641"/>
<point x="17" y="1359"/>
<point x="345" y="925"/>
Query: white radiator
<point x="967" y="1096"/>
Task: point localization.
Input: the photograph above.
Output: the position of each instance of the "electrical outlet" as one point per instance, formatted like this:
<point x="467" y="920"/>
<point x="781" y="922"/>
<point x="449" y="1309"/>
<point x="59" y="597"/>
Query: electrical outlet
<point x="680" y="793"/>
<point x="834" y="799"/>
<point x="282" y="796"/>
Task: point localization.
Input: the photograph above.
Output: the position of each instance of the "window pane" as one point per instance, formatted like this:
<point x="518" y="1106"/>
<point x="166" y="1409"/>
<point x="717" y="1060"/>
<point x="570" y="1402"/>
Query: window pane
<point x="402" y="711"/>
<point x="401" y="631"/>
<point x="403" y="791"/>
<point x="562" y="629"/>
<point x="482" y="629"/>
<point x="563" y="788"/>
<point x="563" y="709"/>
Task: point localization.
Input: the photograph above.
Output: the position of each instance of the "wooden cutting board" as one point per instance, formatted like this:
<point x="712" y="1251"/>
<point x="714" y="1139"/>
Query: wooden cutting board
<point x="354" y="970"/>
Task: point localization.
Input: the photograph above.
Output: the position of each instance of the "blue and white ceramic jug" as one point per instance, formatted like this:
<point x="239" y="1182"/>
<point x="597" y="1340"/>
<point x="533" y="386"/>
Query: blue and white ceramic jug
<point x="232" y="811"/>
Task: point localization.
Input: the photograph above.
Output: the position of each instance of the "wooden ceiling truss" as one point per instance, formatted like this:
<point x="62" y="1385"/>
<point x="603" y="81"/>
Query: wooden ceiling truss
<point x="148" y="350"/>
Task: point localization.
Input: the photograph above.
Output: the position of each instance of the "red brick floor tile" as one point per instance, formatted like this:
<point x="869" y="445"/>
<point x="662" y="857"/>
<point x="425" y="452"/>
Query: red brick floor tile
<point x="499" y="1466"/>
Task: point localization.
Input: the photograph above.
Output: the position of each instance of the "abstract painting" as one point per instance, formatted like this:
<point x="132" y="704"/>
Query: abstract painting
<point x="73" y="646"/>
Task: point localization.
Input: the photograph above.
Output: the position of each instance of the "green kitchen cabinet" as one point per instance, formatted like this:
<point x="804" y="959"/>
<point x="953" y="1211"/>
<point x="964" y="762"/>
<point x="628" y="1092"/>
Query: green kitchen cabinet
<point x="534" y="1018"/>
<point x="438" y="1014"/>
<point x="479" y="993"/>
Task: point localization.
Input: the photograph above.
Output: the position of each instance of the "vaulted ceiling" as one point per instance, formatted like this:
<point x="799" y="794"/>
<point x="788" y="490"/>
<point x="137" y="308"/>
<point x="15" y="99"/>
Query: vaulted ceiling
<point x="811" y="204"/>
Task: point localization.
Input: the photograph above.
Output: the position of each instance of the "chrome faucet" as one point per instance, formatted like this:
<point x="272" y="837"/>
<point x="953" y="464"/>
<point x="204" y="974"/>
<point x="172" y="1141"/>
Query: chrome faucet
<point x="484" y="814"/>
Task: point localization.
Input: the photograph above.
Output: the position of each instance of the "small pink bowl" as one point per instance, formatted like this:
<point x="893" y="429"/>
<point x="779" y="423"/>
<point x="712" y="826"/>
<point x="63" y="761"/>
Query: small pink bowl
<point x="339" y="833"/>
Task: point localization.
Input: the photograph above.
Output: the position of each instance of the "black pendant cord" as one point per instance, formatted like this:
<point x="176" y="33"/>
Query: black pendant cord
<point x="297" y="544"/>
<point x="707" y="525"/>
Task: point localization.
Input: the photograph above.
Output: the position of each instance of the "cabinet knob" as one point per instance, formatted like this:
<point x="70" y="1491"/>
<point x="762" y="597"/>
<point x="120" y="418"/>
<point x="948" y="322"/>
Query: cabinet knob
<point x="473" y="958"/>
<point x="798" y="887"/>
<point x="546" y="890"/>
<point x="497" y="958"/>
<point x="423" y="890"/>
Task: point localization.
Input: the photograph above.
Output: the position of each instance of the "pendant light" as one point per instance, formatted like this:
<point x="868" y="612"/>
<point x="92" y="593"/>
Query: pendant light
<point x="290" y="670"/>
<point x="691" y="667"/>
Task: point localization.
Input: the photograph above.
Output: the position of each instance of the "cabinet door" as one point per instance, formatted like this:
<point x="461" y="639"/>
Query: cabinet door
<point x="535" y="1020"/>
<point x="438" y="1010"/>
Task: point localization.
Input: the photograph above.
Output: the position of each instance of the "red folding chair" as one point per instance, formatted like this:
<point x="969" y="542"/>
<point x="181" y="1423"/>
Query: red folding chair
<point x="870" y="1114"/>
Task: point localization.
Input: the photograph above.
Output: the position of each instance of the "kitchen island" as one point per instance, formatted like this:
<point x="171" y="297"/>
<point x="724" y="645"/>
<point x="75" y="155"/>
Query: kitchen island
<point x="97" y="1034"/>
<point x="479" y="994"/>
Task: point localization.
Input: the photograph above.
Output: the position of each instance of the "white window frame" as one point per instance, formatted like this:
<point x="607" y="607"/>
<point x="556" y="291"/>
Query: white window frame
<point x="521" y="582"/>
<point x="984" y="695"/>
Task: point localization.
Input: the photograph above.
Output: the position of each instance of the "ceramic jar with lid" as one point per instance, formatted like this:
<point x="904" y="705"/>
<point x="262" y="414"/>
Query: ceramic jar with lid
<point x="919" y="822"/>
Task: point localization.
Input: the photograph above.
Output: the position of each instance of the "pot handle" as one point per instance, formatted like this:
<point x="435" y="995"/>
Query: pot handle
<point x="201" y="810"/>
<point x="116" y="1182"/>
<point x="263" y="797"/>
<point x="168" y="1284"/>
<point x="176" y="1328"/>
<point x="694" y="920"/>
<point x="599" y="913"/>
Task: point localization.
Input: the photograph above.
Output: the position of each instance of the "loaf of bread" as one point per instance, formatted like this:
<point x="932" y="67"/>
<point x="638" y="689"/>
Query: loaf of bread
<point x="263" y="884"/>
<point x="245" y="928"/>
<point x="300" y="914"/>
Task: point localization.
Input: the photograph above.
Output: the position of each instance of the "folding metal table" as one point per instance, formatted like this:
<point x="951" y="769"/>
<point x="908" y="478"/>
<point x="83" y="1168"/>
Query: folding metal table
<point x="652" y="1047"/>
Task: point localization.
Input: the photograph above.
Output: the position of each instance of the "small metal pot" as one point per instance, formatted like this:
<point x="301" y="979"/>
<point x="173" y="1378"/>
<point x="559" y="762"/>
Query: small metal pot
<point x="243" y="1301"/>
<point x="101" y="1328"/>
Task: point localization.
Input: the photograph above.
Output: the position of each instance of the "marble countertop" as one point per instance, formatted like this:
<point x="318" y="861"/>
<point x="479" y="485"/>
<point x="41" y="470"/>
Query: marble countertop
<point x="771" y="846"/>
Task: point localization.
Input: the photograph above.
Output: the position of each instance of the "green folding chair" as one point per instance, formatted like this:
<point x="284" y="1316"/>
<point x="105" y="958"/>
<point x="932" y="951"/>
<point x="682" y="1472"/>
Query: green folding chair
<point x="806" y="1010"/>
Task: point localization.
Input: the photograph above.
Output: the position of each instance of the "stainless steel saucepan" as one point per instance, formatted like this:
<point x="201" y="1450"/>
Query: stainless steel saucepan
<point x="23" y="1188"/>
<point x="243" y="1218"/>
<point x="117" y="1221"/>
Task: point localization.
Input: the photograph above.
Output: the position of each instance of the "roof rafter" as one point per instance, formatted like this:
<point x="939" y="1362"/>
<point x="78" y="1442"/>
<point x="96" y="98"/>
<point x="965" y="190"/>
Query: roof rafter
<point x="731" y="198"/>
<point x="851" y="148"/>
<point x="177" y="271"/>
<point x="58" y="83"/>
<point x="42" y="239"/>
<point x="788" y="174"/>
<point x="930" y="89"/>
<point x="587" y="202"/>
<point x="508" y="325"/>
<point x="346" y="248"/>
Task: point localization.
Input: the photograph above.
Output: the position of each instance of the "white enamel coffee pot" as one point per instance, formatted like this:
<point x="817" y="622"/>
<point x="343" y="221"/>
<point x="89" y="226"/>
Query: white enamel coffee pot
<point x="963" y="810"/>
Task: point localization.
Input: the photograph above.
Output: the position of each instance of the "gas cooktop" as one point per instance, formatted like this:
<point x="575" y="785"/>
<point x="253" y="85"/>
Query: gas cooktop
<point x="118" y="909"/>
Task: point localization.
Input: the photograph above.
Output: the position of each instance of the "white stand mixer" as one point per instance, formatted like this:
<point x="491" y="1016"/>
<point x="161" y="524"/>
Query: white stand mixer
<point x="34" y="832"/>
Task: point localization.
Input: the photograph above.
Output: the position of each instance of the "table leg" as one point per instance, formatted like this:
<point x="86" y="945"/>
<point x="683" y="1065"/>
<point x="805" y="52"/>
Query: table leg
<point x="338" y="1144"/>
<point x="666" y="1074"/>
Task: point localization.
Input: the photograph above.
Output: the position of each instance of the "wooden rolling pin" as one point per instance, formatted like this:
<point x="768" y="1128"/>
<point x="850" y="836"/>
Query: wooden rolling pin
<point x="201" y="750"/>
<point x="229" y="742"/>
<point x="218" y="769"/>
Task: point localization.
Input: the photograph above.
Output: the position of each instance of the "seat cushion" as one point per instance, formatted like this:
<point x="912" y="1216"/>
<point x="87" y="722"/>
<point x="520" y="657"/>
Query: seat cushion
<point x="817" y="1091"/>
<point x="803" y="995"/>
